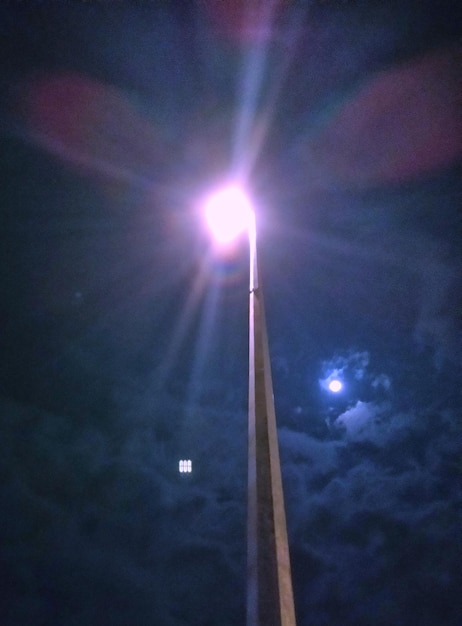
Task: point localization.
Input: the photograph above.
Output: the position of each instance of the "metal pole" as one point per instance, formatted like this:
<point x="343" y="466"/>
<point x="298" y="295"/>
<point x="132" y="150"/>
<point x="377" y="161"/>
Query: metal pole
<point x="269" y="582"/>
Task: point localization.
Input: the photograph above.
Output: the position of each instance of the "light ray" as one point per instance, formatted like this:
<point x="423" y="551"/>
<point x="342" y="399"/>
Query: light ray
<point x="202" y="346"/>
<point x="257" y="109"/>
<point x="182" y="325"/>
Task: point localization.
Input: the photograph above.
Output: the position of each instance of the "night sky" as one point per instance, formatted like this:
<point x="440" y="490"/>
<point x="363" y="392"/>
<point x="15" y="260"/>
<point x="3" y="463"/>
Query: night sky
<point x="123" y="334"/>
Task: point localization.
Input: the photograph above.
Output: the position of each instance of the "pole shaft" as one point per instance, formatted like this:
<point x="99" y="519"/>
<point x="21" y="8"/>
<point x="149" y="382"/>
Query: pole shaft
<point x="269" y="591"/>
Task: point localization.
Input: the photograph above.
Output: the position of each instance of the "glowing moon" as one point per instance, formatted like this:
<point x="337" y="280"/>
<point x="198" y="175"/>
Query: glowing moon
<point x="335" y="386"/>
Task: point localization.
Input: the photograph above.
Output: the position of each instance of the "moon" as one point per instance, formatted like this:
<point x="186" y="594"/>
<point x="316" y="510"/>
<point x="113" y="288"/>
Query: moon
<point x="335" y="385"/>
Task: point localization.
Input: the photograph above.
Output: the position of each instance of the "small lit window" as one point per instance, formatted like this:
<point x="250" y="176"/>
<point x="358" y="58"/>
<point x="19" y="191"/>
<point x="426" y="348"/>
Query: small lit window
<point x="185" y="466"/>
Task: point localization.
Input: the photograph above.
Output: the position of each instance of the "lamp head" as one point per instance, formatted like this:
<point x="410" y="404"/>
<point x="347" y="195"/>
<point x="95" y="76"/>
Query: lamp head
<point x="228" y="214"/>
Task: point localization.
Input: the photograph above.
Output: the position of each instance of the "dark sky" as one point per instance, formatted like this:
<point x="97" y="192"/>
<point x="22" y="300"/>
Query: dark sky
<point x="124" y="338"/>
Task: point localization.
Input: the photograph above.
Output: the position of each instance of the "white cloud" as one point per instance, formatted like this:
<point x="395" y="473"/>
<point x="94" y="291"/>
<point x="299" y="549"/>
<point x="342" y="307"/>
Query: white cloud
<point x="355" y="362"/>
<point x="359" y="419"/>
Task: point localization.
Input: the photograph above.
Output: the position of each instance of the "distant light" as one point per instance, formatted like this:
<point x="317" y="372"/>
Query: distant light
<point x="228" y="214"/>
<point x="335" y="386"/>
<point x="185" y="466"/>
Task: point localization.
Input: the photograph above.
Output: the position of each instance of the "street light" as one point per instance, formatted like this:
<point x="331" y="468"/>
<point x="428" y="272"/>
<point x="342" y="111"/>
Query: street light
<point x="269" y="582"/>
<point x="228" y="213"/>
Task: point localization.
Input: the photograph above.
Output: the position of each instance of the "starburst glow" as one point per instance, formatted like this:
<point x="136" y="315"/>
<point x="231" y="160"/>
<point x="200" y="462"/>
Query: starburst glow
<point x="228" y="214"/>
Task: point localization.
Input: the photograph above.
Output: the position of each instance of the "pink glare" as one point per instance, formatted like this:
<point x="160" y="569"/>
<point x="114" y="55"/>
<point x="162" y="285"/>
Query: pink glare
<point x="244" y="21"/>
<point x="403" y="124"/>
<point x="91" y="126"/>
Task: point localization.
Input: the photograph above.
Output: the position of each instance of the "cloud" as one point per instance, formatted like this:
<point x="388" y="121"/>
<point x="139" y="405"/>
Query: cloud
<point x="101" y="509"/>
<point x="382" y="380"/>
<point x="355" y="362"/>
<point x="373" y="510"/>
<point x="358" y="419"/>
<point x="359" y="381"/>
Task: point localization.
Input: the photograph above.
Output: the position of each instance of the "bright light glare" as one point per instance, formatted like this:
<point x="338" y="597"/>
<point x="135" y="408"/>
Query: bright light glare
<point x="228" y="214"/>
<point x="185" y="466"/>
<point x="335" y="386"/>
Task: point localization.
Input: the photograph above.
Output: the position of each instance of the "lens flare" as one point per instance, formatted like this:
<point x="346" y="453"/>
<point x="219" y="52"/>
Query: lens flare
<point x="228" y="213"/>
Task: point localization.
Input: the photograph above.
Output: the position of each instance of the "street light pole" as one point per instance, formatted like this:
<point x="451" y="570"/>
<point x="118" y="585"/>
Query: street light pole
<point x="269" y="582"/>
